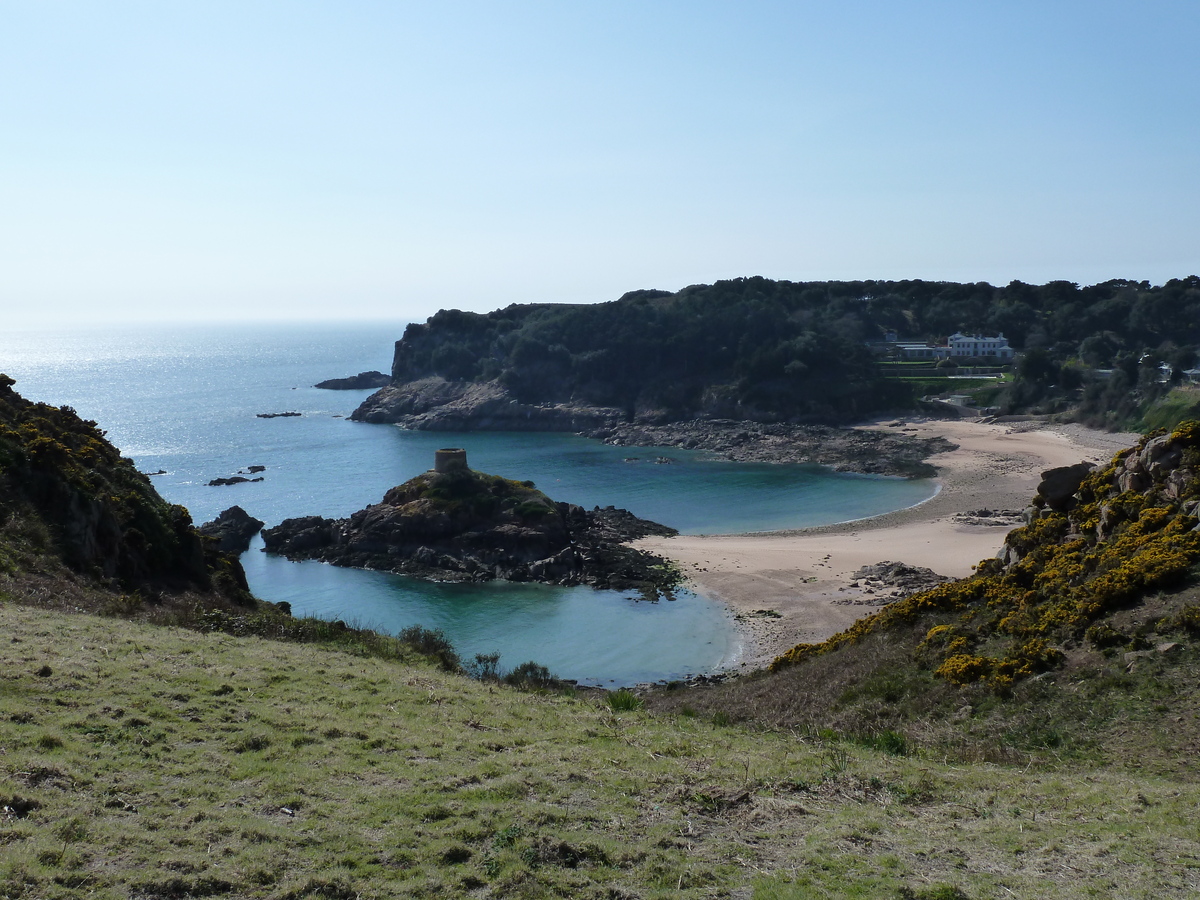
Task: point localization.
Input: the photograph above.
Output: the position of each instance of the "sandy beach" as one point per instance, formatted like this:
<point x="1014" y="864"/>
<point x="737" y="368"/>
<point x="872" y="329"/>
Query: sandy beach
<point x="806" y="578"/>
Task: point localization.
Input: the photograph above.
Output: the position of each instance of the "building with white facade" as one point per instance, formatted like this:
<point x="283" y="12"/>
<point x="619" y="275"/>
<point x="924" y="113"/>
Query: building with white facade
<point x="977" y="345"/>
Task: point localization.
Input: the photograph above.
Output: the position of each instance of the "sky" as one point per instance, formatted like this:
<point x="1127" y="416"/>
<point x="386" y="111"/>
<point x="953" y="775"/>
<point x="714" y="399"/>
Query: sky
<point x="359" y="160"/>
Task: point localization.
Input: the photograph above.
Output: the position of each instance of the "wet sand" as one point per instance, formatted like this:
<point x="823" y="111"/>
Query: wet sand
<point x="806" y="577"/>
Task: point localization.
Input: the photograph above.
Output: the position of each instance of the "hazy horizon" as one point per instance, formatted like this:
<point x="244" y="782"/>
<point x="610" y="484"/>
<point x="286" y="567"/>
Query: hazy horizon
<point x="314" y="162"/>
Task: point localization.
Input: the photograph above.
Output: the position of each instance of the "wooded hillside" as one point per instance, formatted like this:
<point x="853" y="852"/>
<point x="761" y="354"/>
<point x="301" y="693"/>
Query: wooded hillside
<point x="762" y="349"/>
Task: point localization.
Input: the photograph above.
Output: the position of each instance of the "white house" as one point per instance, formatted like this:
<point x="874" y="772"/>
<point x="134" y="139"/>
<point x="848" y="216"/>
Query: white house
<point x="977" y="345"/>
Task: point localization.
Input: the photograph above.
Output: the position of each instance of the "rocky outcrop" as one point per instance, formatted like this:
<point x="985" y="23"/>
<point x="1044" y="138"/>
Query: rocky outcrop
<point x="232" y="530"/>
<point x="845" y="449"/>
<point x="434" y="404"/>
<point x="68" y="498"/>
<point x="896" y="579"/>
<point x="361" y="381"/>
<point x="460" y="525"/>
<point x="1059" y="486"/>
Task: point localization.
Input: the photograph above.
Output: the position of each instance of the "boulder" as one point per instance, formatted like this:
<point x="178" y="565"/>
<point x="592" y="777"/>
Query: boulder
<point x="1059" y="486"/>
<point x="300" y="536"/>
<point x="232" y="529"/>
<point x="1159" y="456"/>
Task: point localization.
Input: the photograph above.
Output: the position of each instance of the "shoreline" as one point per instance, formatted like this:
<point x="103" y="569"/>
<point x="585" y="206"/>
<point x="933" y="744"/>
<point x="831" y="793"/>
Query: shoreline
<point x="799" y="586"/>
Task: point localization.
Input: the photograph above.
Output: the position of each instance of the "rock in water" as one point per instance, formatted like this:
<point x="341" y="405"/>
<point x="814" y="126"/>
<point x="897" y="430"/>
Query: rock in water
<point x="453" y="524"/>
<point x="233" y="529"/>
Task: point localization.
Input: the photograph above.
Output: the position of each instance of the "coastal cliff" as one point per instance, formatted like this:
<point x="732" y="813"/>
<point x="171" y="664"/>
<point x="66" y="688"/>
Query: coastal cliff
<point x="454" y="524"/>
<point x="799" y="353"/>
<point x="76" y="518"/>
<point x="435" y="404"/>
<point x="747" y="349"/>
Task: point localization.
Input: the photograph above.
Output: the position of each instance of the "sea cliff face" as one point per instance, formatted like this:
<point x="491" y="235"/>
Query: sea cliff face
<point x="435" y="404"/>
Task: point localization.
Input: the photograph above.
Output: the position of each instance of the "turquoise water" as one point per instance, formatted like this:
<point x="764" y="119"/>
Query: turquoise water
<point x="184" y="399"/>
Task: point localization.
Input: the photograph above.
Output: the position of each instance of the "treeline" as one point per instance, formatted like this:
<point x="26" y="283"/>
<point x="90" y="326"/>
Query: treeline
<point x="763" y="349"/>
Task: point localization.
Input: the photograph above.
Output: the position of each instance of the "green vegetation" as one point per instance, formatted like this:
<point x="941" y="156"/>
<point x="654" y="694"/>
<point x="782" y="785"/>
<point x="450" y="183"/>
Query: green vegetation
<point x="754" y="348"/>
<point x="68" y="499"/>
<point x="1029" y="731"/>
<point x="1074" y="653"/>
<point x="1179" y="405"/>
<point x="476" y="495"/>
<point x="1130" y="532"/>
<point x="158" y="762"/>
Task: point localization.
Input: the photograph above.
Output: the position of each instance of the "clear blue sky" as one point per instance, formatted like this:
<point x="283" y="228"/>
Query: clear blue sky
<point x="354" y="159"/>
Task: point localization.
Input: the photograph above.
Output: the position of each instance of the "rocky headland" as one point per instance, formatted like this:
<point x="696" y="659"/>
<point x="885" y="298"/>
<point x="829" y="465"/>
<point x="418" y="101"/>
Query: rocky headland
<point x="81" y="528"/>
<point x="435" y="404"/>
<point x="361" y="381"/>
<point x="454" y="524"/>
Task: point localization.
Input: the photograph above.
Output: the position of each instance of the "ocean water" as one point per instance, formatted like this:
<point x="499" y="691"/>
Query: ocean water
<point x="185" y="399"/>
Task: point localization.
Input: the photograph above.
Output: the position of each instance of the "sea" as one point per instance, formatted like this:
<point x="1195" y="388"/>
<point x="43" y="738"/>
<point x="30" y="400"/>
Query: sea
<point x="184" y="400"/>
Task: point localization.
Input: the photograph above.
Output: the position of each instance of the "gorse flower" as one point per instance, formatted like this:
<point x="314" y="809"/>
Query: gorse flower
<point x="1065" y="572"/>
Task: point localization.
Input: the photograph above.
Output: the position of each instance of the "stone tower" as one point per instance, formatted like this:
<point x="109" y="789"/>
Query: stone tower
<point x="451" y="459"/>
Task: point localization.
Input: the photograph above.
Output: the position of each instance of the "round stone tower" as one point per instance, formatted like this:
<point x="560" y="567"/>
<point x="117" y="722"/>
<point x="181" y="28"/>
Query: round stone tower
<point x="451" y="459"/>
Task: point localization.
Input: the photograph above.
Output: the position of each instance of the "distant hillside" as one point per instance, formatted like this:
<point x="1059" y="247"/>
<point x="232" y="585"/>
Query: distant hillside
<point x="753" y="348"/>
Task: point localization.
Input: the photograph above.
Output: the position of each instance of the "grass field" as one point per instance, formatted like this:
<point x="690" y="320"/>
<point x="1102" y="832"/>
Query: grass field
<point x="150" y="762"/>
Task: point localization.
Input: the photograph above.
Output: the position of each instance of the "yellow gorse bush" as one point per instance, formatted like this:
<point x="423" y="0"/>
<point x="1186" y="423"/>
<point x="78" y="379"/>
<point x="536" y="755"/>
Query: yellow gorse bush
<point x="1069" y="573"/>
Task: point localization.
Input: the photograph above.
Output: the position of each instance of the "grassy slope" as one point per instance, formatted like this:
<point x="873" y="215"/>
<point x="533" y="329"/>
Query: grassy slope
<point x="1054" y="658"/>
<point x="156" y="762"/>
<point x="1179" y="405"/>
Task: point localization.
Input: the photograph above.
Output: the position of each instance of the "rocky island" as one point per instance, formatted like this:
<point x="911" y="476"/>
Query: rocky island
<point x="454" y="524"/>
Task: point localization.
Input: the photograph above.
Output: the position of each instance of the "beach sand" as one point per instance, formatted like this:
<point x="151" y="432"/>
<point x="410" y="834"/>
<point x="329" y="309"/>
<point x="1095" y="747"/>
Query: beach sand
<point x="806" y="577"/>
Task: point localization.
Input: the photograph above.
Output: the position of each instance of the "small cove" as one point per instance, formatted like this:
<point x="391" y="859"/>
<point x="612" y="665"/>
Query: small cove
<point x="186" y="399"/>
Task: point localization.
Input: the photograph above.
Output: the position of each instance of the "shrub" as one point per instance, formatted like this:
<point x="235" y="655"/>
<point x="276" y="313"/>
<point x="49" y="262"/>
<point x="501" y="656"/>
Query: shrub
<point x="1188" y="619"/>
<point x="1063" y="575"/>
<point x="625" y="700"/>
<point x="486" y="667"/>
<point x="1103" y="636"/>
<point x="531" y="676"/>
<point x="432" y="643"/>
